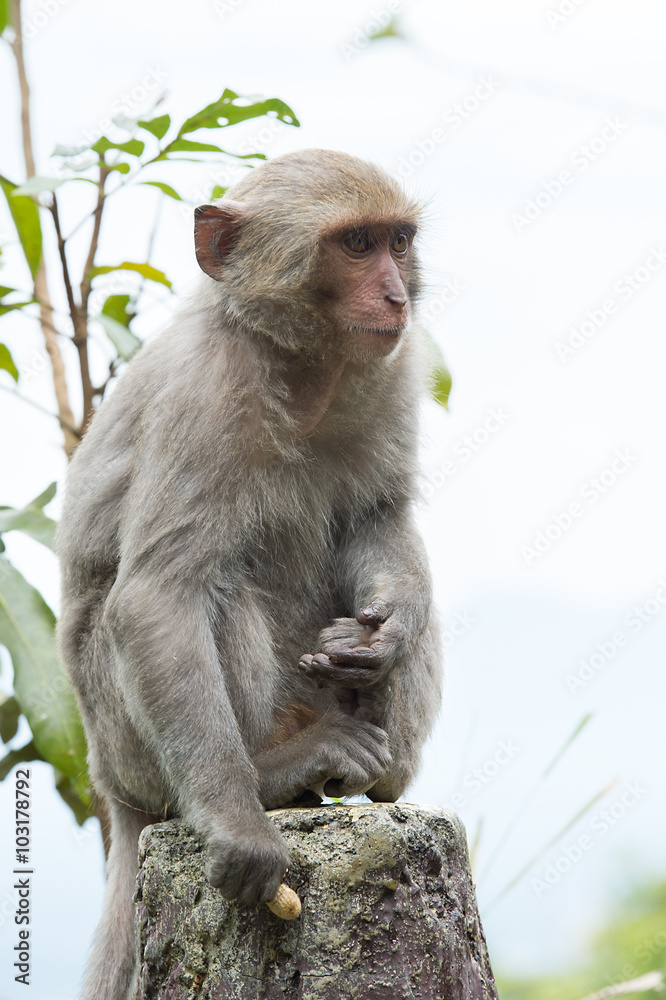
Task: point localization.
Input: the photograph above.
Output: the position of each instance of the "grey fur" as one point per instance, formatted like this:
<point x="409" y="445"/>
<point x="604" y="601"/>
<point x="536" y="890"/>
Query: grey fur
<point x="206" y="542"/>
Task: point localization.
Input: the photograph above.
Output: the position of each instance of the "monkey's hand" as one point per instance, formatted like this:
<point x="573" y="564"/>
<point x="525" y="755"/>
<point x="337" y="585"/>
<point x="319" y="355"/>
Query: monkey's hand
<point x="357" y="652"/>
<point x="247" y="863"/>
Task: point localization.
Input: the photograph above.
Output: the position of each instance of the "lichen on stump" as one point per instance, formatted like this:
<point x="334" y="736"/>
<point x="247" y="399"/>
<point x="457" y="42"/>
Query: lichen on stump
<point x="389" y="911"/>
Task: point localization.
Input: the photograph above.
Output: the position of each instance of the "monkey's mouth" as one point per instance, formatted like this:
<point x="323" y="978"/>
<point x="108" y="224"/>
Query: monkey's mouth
<point x="379" y="331"/>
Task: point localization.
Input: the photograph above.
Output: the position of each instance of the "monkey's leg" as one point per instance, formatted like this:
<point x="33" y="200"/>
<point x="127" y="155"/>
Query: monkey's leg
<point x="346" y="754"/>
<point x="389" y="653"/>
<point x="112" y="966"/>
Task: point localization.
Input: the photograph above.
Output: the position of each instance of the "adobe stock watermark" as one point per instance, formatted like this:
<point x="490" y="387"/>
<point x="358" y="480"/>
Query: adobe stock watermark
<point x="555" y="16"/>
<point x="582" y="157"/>
<point x="452" y="120"/>
<point x="233" y="171"/>
<point x="378" y="21"/>
<point x="439" y="301"/>
<point x="606" y="649"/>
<point x="116" y="283"/>
<point x="478" y="777"/>
<point x="456" y="627"/>
<point x="624" y="289"/>
<point x="40" y="17"/>
<point x="590" y="492"/>
<point x="465" y="448"/>
<point x="224" y="7"/>
<point x="32" y="369"/>
<point x="600" y="825"/>
<point x="129" y="104"/>
<point x="648" y="950"/>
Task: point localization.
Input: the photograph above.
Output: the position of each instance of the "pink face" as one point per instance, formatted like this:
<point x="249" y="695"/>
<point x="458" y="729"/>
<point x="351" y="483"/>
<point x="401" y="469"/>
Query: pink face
<point x="366" y="274"/>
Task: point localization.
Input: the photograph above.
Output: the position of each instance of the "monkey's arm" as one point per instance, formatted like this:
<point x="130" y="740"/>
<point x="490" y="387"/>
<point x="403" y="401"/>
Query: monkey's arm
<point x="174" y="690"/>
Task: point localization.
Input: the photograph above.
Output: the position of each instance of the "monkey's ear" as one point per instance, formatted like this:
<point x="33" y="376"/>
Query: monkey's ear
<point x="215" y="231"/>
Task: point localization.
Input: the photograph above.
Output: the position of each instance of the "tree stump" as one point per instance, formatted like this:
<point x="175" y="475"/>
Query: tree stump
<point x="389" y="911"/>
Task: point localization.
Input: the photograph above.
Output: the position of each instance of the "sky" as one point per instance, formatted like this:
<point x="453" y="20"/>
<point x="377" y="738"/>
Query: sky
<point x="535" y="133"/>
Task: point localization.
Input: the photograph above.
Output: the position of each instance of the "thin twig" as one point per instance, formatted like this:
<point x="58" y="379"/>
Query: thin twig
<point x="69" y="428"/>
<point x="53" y="208"/>
<point x="86" y="282"/>
<point x="78" y="314"/>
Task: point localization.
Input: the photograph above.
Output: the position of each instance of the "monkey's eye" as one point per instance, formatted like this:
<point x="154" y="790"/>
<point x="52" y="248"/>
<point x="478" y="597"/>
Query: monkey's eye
<point x="358" y="241"/>
<point x="400" y="244"/>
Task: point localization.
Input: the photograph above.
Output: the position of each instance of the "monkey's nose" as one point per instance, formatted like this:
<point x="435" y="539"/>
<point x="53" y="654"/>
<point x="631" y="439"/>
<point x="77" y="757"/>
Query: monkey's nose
<point x="398" y="299"/>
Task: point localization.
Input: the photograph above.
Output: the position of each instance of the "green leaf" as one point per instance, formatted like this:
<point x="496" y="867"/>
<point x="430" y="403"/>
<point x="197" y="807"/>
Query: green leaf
<point x="125" y="122"/>
<point x="24" y="755"/>
<point x="188" y="146"/>
<point x="217" y="191"/>
<point x="165" y="188"/>
<point x="41" y="686"/>
<point x="6" y="307"/>
<point x="146" y="270"/>
<point x="390" y="31"/>
<point x="440" y="387"/>
<point x="44" y="498"/>
<point x="133" y="146"/>
<point x="122" y="168"/>
<point x="67" y="792"/>
<point x="125" y="342"/>
<point x="25" y="214"/>
<point x="115" y="319"/>
<point x="66" y="151"/>
<point x="232" y="113"/>
<point x="31" y="520"/>
<point x="440" y="384"/>
<point x="35" y="185"/>
<point x="5" y="289"/>
<point x="116" y="306"/>
<point x="7" y="362"/>
<point x="10" y="711"/>
<point x="158" y="126"/>
<point x="5" y="15"/>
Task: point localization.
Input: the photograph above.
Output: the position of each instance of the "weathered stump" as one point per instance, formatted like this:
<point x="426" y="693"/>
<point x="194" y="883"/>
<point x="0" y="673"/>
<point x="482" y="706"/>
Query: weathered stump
<point x="389" y="911"/>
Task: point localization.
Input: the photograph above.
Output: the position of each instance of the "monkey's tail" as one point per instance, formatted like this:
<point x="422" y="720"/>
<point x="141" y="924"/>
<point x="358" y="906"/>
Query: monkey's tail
<point x="111" y="971"/>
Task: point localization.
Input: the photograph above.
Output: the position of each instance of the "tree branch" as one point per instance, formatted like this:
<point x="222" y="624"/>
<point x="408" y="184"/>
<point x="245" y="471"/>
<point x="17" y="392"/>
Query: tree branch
<point x="53" y="208"/>
<point x="90" y="261"/>
<point x="79" y="318"/>
<point x="41" y="290"/>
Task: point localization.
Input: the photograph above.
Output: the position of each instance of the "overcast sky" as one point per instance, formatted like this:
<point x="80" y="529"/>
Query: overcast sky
<point x="537" y="136"/>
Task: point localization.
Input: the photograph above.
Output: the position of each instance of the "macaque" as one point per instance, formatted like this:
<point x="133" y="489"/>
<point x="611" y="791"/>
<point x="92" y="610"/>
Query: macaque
<point x="246" y="602"/>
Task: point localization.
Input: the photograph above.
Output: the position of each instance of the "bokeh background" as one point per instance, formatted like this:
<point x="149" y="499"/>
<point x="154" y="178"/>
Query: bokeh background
<point x="536" y="134"/>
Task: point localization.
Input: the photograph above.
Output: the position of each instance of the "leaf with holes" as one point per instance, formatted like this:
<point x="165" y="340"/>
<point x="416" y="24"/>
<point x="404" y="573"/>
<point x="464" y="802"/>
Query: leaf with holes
<point x="226" y="108"/>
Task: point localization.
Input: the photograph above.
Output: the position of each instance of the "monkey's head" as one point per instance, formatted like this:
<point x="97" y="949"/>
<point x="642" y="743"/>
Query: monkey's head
<point x="314" y="249"/>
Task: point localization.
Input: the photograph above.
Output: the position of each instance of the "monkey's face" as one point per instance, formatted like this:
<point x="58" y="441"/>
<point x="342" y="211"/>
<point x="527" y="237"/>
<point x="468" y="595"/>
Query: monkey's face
<point x="366" y="276"/>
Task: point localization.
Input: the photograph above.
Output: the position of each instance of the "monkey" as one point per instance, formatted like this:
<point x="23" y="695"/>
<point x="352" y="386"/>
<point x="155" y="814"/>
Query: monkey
<point x="246" y="603"/>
